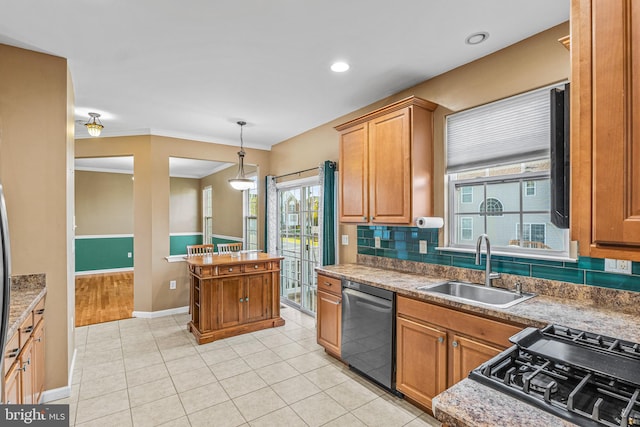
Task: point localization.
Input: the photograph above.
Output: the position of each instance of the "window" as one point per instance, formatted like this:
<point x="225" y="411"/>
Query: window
<point x="491" y="207"/>
<point x="466" y="194"/>
<point x="530" y="188"/>
<point x="251" y="216"/>
<point x="498" y="177"/>
<point x="207" y="214"/>
<point x="466" y="228"/>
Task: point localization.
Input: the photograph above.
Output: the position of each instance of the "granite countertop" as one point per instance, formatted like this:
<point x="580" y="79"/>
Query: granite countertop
<point x="469" y="403"/>
<point x="26" y="292"/>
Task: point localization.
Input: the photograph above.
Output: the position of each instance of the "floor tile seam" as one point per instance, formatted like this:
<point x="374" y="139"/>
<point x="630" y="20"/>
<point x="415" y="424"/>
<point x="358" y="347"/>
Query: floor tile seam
<point x="328" y="421"/>
<point x="201" y="409"/>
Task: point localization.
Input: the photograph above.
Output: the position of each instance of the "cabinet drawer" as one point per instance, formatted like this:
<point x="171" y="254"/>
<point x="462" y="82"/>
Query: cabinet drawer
<point x="329" y="284"/>
<point x="255" y="266"/>
<point x="225" y="270"/>
<point x="25" y="330"/>
<point x="478" y="327"/>
<point x="38" y="312"/>
<point x="11" y="352"/>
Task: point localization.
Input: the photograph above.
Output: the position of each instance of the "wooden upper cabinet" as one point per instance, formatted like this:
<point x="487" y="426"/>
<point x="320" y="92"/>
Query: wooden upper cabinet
<point x="605" y="127"/>
<point x="386" y="164"/>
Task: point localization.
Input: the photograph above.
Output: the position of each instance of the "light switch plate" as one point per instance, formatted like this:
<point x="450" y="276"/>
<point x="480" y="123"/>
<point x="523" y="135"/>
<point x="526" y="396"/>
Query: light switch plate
<point x="423" y="246"/>
<point x="376" y="242"/>
<point x="345" y="239"/>
<point x="129" y="254"/>
<point x="172" y="284"/>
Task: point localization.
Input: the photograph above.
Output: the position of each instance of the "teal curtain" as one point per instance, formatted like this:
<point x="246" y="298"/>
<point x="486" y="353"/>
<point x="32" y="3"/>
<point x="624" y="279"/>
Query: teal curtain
<point x="329" y="215"/>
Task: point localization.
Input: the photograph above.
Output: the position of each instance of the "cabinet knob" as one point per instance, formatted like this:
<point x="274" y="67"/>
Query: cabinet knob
<point x="255" y="266"/>
<point x="364" y="218"/>
<point x="246" y="299"/>
<point x="241" y="299"/>
<point x="440" y="339"/>
<point x="230" y="268"/>
<point x="454" y="344"/>
<point x="372" y="218"/>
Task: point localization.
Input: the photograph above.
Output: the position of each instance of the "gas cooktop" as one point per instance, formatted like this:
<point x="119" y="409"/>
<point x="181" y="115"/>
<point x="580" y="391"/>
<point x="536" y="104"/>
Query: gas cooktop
<point x="586" y="378"/>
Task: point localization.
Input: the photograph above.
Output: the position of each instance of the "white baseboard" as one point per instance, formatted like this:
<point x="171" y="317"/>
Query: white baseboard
<point x="110" y="270"/>
<point x="161" y="313"/>
<point x="61" y="392"/>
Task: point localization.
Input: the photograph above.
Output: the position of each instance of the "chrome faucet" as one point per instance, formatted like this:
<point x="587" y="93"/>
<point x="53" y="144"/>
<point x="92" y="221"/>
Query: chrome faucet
<point x="488" y="275"/>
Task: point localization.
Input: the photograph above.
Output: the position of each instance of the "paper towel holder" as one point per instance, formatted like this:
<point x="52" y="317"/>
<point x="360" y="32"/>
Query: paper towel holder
<point x="429" y="222"/>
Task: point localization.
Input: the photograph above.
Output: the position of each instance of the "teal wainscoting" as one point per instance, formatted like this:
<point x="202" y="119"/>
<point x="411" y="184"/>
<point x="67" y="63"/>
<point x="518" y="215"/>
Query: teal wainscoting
<point x="403" y="243"/>
<point x="103" y="252"/>
<point x="178" y="242"/>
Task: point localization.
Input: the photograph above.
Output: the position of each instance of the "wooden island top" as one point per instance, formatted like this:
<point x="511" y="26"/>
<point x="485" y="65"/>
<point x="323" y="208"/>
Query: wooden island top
<point x="233" y="294"/>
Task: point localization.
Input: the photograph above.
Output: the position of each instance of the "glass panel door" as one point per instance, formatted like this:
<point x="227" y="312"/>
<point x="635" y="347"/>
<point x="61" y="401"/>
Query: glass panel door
<point x="298" y="244"/>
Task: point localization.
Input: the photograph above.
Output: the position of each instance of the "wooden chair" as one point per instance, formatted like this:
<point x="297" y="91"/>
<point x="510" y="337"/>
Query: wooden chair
<point x="199" y="250"/>
<point x="227" y="248"/>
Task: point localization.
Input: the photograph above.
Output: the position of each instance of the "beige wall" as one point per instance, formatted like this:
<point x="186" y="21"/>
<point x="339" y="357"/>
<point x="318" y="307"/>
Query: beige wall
<point x="104" y="203"/>
<point x="185" y="205"/>
<point x="532" y="63"/>
<point x="36" y="170"/>
<point x="151" y="200"/>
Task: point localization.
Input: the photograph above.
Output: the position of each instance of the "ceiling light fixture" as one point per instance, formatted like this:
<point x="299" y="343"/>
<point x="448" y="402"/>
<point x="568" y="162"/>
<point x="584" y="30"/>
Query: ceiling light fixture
<point x="477" y="38"/>
<point x="94" y="126"/>
<point x="339" y="67"/>
<point x="241" y="182"/>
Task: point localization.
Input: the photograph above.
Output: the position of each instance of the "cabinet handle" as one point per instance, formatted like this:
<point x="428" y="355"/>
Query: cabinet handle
<point x="13" y="353"/>
<point x="29" y="361"/>
<point x="372" y="218"/>
<point x="334" y="303"/>
<point x="454" y="344"/>
<point x="440" y="339"/>
<point x="327" y="284"/>
<point x="24" y="368"/>
<point x="39" y="339"/>
<point x="41" y="311"/>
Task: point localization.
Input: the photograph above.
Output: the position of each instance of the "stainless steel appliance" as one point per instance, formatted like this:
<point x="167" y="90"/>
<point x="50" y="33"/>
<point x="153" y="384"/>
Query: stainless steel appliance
<point x="5" y="282"/>
<point x="586" y="378"/>
<point x="368" y="321"/>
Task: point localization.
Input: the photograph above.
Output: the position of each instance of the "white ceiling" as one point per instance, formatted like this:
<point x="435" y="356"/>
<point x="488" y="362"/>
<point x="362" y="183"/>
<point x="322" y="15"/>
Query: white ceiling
<point x="178" y="167"/>
<point x="193" y="68"/>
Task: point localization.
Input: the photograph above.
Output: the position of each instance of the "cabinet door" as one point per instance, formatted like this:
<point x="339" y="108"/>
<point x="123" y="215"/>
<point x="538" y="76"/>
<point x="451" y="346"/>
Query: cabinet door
<point x="12" y="390"/>
<point x="421" y="360"/>
<point x="26" y="377"/>
<point x="468" y="355"/>
<point x="257" y="297"/>
<point x="353" y="171"/>
<point x="616" y="123"/>
<point x="38" y="360"/>
<point x="329" y="322"/>
<point x="390" y="168"/>
<point x="230" y="301"/>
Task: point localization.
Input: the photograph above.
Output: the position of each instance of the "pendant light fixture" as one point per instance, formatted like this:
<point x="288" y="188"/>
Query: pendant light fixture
<point x="241" y="182"/>
<point x="94" y="126"/>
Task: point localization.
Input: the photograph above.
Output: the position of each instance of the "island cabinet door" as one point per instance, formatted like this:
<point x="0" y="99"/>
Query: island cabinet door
<point x="257" y="297"/>
<point x="468" y="354"/>
<point x="421" y="361"/>
<point x="230" y="301"/>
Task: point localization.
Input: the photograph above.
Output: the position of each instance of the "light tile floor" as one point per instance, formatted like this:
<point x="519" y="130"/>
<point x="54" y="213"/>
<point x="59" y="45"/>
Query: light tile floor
<point x="148" y="372"/>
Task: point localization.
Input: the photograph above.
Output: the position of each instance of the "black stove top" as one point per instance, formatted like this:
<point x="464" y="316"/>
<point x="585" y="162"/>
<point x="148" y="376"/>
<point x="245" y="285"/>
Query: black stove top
<point x="588" y="379"/>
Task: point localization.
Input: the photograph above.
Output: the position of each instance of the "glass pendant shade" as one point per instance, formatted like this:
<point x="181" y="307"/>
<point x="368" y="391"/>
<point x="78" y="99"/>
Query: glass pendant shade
<point x="94" y="126"/>
<point x="241" y="182"/>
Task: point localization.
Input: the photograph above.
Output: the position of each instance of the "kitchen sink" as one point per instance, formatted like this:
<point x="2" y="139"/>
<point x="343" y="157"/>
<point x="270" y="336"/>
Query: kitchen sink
<point x="495" y="297"/>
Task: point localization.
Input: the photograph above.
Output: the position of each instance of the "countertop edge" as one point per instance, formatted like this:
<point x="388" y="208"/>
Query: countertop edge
<point x="13" y="328"/>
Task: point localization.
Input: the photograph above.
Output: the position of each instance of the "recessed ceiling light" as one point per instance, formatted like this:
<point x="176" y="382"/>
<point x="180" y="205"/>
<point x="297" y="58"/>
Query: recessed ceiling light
<point x="339" y="67"/>
<point x="477" y="38"/>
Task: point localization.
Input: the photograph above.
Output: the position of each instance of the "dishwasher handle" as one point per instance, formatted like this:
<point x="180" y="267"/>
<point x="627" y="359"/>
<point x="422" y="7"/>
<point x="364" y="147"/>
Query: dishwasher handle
<point x="370" y="301"/>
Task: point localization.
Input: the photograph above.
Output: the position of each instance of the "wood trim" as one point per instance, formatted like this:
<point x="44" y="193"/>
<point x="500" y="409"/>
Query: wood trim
<point x="406" y="102"/>
<point x="566" y="41"/>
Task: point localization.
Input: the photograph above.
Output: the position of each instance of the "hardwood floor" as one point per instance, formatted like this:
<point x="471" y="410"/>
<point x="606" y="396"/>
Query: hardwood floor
<point x="103" y="298"/>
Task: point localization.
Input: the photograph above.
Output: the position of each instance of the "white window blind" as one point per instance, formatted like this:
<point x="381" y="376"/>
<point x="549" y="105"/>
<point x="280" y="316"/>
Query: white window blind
<point x="512" y="130"/>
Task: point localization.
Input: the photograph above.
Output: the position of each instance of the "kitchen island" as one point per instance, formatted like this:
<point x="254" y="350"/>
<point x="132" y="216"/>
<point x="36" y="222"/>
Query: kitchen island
<point x="233" y="294"/>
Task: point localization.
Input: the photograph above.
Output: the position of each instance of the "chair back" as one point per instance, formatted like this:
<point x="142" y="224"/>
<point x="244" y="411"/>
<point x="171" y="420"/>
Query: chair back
<point x="227" y="248"/>
<point x="199" y="250"/>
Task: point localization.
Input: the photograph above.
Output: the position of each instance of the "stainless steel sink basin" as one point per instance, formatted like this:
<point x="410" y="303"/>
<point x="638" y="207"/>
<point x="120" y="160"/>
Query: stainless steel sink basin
<point x="494" y="297"/>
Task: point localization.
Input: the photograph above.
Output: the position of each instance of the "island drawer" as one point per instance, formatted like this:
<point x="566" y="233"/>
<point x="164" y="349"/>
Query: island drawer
<point x="329" y="284"/>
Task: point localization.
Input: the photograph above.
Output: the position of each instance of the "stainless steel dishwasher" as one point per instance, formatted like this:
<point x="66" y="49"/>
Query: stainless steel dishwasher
<point x="368" y="321"/>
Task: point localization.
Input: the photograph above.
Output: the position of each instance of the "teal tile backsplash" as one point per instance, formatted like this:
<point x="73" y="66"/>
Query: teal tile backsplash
<point x="403" y="243"/>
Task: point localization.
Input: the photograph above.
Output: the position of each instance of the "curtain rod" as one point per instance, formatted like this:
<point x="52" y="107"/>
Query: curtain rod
<point x="295" y="173"/>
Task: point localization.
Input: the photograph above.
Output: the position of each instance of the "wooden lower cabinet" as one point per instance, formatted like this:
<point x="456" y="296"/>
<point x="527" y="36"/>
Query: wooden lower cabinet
<point x="24" y="363"/>
<point x="329" y="315"/>
<point x="437" y="347"/>
<point x="421" y="360"/>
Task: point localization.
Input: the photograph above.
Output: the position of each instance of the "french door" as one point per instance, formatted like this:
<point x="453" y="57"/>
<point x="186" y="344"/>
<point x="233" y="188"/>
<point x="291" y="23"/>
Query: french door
<point x="298" y="233"/>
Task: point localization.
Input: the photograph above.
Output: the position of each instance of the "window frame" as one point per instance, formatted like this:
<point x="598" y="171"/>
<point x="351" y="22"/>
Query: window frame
<point x="506" y="250"/>
<point x="526" y="188"/>
<point x="462" y="195"/>
<point x="248" y="219"/>
<point x="207" y="234"/>
<point x="462" y="228"/>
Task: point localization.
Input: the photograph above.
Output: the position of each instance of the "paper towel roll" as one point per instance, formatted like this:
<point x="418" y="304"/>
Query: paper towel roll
<point x="429" y="222"/>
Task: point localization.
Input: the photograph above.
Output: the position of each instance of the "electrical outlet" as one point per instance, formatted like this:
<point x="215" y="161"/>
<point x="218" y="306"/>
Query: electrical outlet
<point x="345" y="239"/>
<point x="172" y="284"/>
<point x="617" y="266"/>
<point x="423" y="246"/>
<point x="377" y="242"/>
<point x="129" y="254"/>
